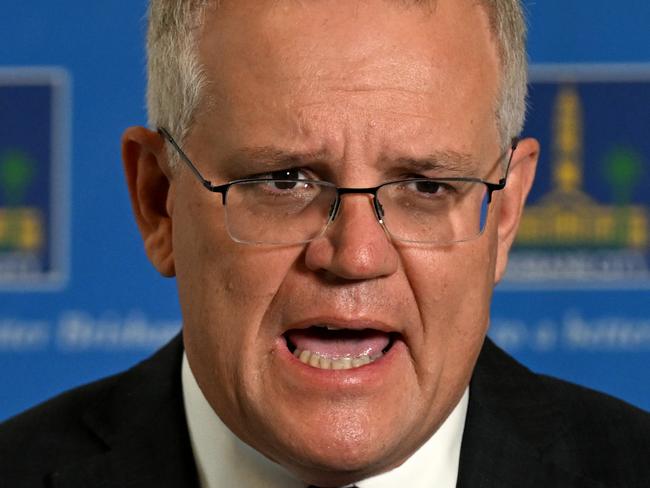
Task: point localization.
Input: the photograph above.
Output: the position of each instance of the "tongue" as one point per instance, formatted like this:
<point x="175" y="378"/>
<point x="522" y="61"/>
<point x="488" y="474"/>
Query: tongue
<point x="339" y="343"/>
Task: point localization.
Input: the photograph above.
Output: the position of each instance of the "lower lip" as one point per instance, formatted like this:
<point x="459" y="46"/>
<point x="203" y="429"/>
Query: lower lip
<point x="372" y="374"/>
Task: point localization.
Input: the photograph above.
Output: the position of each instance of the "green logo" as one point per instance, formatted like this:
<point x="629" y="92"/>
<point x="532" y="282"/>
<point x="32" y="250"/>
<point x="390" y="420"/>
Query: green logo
<point x="623" y="169"/>
<point x="17" y="171"/>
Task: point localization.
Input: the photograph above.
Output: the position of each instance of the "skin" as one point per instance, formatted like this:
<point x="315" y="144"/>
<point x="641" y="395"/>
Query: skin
<point x="344" y="80"/>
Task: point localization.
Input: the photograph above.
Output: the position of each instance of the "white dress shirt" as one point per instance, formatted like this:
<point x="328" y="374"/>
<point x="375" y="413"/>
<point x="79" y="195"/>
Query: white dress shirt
<point x="224" y="461"/>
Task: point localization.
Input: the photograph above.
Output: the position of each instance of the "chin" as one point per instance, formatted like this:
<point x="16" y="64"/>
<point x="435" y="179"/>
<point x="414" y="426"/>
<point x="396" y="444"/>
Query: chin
<point x="337" y="468"/>
<point x="341" y="455"/>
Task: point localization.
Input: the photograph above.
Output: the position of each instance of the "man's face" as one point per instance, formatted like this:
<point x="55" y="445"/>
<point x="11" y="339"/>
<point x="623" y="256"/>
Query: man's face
<point x="354" y="89"/>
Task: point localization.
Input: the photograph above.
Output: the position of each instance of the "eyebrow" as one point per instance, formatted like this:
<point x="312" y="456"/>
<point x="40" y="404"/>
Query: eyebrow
<point x="264" y="158"/>
<point x="447" y="161"/>
<point x="267" y="158"/>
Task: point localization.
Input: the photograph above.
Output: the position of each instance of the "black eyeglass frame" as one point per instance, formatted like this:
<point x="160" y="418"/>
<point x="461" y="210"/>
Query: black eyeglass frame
<point x="223" y="189"/>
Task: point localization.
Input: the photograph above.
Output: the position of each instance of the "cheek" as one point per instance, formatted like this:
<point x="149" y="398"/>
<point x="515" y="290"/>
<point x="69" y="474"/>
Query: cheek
<point x="218" y="275"/>
<point x="226" y="290"/>
<point x="452" y="289"/>
<point x="449" y="282"/>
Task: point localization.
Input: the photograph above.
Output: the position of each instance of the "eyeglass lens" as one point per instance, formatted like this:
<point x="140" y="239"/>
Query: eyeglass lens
<point x="298" y="211"/>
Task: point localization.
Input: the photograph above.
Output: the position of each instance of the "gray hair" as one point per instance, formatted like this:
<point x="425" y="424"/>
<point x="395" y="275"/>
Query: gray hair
<point x="176" y="79"/>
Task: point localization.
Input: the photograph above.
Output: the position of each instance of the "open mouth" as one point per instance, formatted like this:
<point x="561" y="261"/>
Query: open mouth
<point x="327" y="347"/>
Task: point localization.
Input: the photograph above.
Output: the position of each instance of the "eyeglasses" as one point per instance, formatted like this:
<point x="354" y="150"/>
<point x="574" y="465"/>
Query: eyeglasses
<point x="288" y="211"/>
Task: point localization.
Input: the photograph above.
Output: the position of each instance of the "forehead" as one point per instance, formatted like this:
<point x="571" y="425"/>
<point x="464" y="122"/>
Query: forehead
<point x="325" y="65"/>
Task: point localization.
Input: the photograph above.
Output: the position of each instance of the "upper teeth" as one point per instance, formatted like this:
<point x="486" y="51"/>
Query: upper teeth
<point x="317" y="361"/>
<point x="331" y="327"/>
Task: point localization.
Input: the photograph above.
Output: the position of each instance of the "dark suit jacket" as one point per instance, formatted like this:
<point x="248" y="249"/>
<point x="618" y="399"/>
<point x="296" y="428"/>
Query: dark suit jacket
<point x="522" y="431"/>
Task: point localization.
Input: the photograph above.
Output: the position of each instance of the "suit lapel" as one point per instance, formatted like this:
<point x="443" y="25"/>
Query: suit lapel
<point x="510" y="424"/>
<point x="141" y="421"/>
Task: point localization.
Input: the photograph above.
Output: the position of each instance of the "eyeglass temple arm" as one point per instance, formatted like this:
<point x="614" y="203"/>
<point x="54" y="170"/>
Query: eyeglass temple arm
<point x="513" y="147"/>
<point x="206" y="183"/>
<point x="492" y="187"/>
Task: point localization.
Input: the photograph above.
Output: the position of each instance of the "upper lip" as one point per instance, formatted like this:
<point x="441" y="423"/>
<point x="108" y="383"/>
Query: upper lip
<point x="343" y="323"/>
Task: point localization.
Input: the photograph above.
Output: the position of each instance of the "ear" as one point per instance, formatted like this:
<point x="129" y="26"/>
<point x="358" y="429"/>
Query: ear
<point x="149" y="181"/>
<point x="513" y="198"/>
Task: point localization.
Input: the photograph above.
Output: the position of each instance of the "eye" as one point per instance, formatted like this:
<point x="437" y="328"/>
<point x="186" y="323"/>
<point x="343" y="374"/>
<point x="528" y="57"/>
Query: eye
<point x="291" y="182"/>
<point x="287" y="174"/>
<point x="430" y="188"/>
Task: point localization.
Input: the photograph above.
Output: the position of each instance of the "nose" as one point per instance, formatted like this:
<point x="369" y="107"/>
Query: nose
<point x="355" y="246"/>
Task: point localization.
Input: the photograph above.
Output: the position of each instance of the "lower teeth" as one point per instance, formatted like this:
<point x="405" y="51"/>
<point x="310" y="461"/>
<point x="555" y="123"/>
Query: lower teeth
<point x="317" y="361"/>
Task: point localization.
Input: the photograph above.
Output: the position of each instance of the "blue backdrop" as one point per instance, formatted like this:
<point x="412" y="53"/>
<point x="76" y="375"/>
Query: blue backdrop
<point x="88" y="303"/>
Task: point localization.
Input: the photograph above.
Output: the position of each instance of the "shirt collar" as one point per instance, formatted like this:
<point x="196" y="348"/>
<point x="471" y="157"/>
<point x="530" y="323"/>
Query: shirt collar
<point x="222" y="460"/>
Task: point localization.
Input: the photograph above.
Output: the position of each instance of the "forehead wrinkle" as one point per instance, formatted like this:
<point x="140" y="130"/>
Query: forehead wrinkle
<point x="304" y="119"/>
<point x="373" y="71"/>
<point x="371" y="89"/>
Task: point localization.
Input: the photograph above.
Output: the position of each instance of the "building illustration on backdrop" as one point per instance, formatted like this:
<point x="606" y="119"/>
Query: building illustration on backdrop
<point x="34" y="108"/>
<point x="568" y="234"/>
<point x="22" y="227"/>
